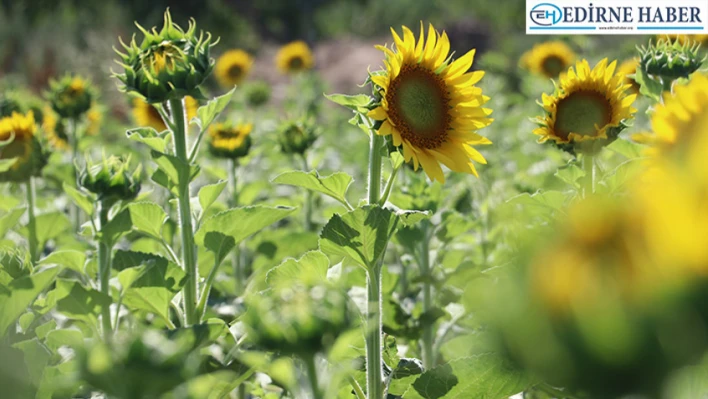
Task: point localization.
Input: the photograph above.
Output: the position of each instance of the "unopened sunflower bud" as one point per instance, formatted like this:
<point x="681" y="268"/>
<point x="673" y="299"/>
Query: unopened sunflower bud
<point x="167" y="65"/>
<point x="111" y="180"/>
<point x="670" y="60"/>
<point x="21" y="155"/>
<point x="296" y="137"/>
<point x="71" y="96"/>
<point x="230" y="140"/>
<point x="257" y="93"/>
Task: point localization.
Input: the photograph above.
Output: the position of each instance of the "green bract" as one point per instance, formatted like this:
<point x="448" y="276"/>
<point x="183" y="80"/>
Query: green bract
<point x="71" y="96"/>
<point x="670" y="60"/>
<point x="111" y="180"/>
<point x="167" y="65"/>
<point x="257" y="93"/>
<point x="295" y="137"/>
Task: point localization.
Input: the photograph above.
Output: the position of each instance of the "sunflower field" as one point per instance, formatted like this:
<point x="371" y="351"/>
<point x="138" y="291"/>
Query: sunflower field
<point x="343" y="199"/>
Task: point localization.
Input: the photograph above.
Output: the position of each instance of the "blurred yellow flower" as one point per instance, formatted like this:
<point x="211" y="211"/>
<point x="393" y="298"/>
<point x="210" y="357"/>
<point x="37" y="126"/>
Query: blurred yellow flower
<point x="230" y="140"/>
<point x="586" y="105"/>
<point x="294" y="57"/>
<point x="94" y="117"/>
<point x="548" y="59"/>
<point x="232" y="67"/>
<point x="626" y="68"/>
<point x="430" y="105"/>
<point x="20" y="128"/>
<point x="146" y="115"/>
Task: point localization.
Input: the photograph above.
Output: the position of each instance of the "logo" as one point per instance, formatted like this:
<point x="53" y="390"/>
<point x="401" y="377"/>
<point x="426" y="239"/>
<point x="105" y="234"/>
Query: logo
<point x="546" y="14"/>
<point x="616" y="17"/>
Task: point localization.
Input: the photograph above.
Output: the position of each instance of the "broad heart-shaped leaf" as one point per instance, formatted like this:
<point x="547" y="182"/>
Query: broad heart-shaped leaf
<point x="310" y="268"/>
<point x="219" y="244"/>
<point x="198" y="335"/>
<point x="123" y="259"/>
<point x="70" y="259"/>
<point x="173" y="168"/>
<point x="207" y="113"/>
<point x="78" y="302"/>
<point x="22" y="292"/>
<point x="240" y="223"/>
<point x="117" y="226"/>
<point x="357" y="102"/>
<point x="148" y="218"/>
<point x="151" y="286"/>
<point x="82" y="200"/>
<point x="64" y="337"/>
<point x="10" y="219"/>
<point x="150" y="137"/>
<point x="334" y="185"/>
<point x="485" y="376"/>
<point x="51" y="225"/>
<point x="6" y="164"/>
<point x="209" y="193"/>
<point x="360" y="235"/>
<point x="161" y="178"/>
<point x="36" y="357"/>
<point x="410" y="218"/>
<point x="648" y="86"/>
<point x="626" y="148"/>
<point x="570" y="174"/>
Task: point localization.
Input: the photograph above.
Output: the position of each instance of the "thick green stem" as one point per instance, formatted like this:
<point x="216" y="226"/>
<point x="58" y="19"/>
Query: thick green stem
<point x="312" y="376"/>
<point x="427" y="340"/>
<point x="374" y="360"/>
<point x="32" y="224"/>
<point x="239" y="277"/>
<point x="309" y="226"/>
<point x="589" y="179"/>
<point x="74" y="139"/>
<point x="375" y="168"/>
<point x="104" y="271"/>
<point x="189" y="253"/>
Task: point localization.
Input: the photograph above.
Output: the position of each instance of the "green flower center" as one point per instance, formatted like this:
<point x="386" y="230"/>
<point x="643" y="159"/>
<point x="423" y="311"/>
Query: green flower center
<point x="418" y="106"/>
<point x="296" y="63"/>
<point x="552" y="66"/>
<point x="583" y="112"/>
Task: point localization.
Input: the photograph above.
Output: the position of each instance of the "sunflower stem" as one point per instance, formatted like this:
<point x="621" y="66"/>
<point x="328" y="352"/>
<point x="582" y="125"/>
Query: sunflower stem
<point x="74" y="138"/>
<point x="104" y="269"/>
<point x="312" y="376"/>
<point x="389" y="185"/>
<point x="375" y="168"/>
<point x="32" y="224"/>
<point x="233" y="202"/>
<point x="589" y="169"/>
<point x="425" y="272"/>
<point x="189" y="255"/>
<point x="309" y="226"/>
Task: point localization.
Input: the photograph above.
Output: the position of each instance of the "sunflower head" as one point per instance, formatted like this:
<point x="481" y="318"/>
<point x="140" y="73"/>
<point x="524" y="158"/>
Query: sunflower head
<point x="167" y="65"/>
<point x="111" y="180"/>
<point x="429" y="105"/>
<point x="232" y="67"/>
<point x="588" y="110"/>
<point x="669" y="59"/>
<point x="71" y="96"/>
<point x="146" y="115"/>
<point x="257" y="93"/>
<point x="20" y="146"/>
<point x="548" y="59"/>
<point x="296" y="137"/>
<point x="679" y="124"/>
<point x="627" y="69"/>
<point x="94" y="120"/>
<point x="21" y="102"/>
<point x="294" y="57"/>
<point x="230" y="140"/>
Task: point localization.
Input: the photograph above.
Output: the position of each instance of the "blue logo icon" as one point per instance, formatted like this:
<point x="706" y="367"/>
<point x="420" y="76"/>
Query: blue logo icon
<point x="546" y="14"/>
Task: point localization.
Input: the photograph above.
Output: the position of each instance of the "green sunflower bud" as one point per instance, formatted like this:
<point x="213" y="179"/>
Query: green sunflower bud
<point x="168" y="65"/>
<point x="21" y="154"/>
<point x="111" y="180"/>
<point x="670" y="60"/>
<point x="296" y="137"/>
<point x="299" y="319"/>
<point x="229" y="140"/>
<point x="257" y="93"/>
<point x="71" y="96"/>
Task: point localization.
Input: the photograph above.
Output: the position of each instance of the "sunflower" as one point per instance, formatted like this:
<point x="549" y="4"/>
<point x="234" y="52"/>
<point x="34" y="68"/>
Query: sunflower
<point x="627" y="68"/>
<point x="230" y="140"/>
<point x="294" y="57"/>
<point x="680" y="123"/>
<point x="429" y="104"/>
<point x="588" y="105"/>
<point x="20" y="128"/>
<point x="548" y="59"/>
<point x="702" y="39"/>
<point x="94" y="117"/>
<point x="232" y="67"/>
<point x="146" y="115"/>
<point x="55" y="130"/>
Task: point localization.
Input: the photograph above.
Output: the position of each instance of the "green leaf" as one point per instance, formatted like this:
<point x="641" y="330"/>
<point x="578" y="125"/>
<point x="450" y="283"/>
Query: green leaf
<point x="555" y="200"/>
<point x="357" y="102"/>
<point x="124" y="259"/>
<point x="10" y="219"/>
<point x="117" y="226"/>
<point x="485" y="376"/>
<point x="570" y="174"/>
<point x="627" y="148"/>
<point x="209" y="193"/>
<point x="80" y="303"/>
<point x="22" y="293"/>
<point x="648" y="86"/>
<point x="409" y="218"/>
<point x="81" y="199"/>
<point x="220" y="244"/>
<point x="334" y="185"/>
<point x="6" y="164"/>
<point x="150" y="137"/>
<point x="360" y="235"/>
<point x="70" y="259"/>
<point x="310" y="268"/>
<point x="240" y="223"/>
<point x="51" y="225"/>
<point x="174" y="168"/>
<point x="64" y="337"/>
<point x="152" y="286"/>
<point x="36" y="358"/>
<point x="148" y="218"/>
<point x="207" y="113"/>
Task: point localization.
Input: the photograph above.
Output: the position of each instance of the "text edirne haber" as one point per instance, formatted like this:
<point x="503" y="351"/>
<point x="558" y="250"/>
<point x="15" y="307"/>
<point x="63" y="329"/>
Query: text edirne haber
<point x="622" y="14"/>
